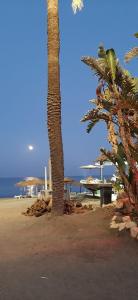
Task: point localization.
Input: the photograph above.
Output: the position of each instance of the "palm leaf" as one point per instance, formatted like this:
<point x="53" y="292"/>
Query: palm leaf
<point x="94" y="101"/>
<point x="95" y="65"/>
<point x="94" y="114"/>
<point x="110" y="156"/>
<point x="107" y="105"/>
<point x="111" y="62"/>
<point x="131" y="54"/>
<point x="125" y="81"/>
<point x="121" y="152"/>
<point x="120" y="162"/>
<point x="91" y="125"/>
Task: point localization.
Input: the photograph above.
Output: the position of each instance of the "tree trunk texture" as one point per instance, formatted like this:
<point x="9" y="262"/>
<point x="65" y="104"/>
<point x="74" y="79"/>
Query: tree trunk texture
<point x="54" y="108"/>
<point x="124" y="138"/>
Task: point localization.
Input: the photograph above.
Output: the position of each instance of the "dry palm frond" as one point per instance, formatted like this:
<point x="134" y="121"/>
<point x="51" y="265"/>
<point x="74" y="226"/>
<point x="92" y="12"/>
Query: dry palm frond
<point x="129" y="102"/>
<point x="125" y="81"/>
<point x="95" y="115"/>
<point x="95" y="65"/>
<point x="101" y="158"/>
<point x="112" y="137"/>
<point x="131" y="54"/>
<point x="77" y="4"/>
<point x="93" y="101"/>
<point x="109" y="154"/>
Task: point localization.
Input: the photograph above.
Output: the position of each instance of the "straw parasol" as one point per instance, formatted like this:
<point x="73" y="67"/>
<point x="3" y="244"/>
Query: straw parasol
<point x="68" y="180"/>
<point x="38" y="181"/>
<point x="30" y="182"/>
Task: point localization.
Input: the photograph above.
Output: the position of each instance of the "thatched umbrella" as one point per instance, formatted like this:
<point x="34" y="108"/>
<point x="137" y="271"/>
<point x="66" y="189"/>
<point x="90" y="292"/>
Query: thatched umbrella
<point x="30" y="182"/>
<point x="38" y="181"/>
<point x="68" y="181"/>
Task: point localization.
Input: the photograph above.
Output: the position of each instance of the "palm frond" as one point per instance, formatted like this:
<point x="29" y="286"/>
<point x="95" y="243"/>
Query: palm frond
<point x="125" y="81"/>
<point x="120" y="161"/>
<point x="115" y="158"/>
<point x="94" y="115"/>
<point x="91" y="125"/>
<point x="95" y="65"/>
<point x="131" y="54"/>
<point x="121" y="152"/>
<point x="107" y="105"/>
<point x="94" y="101"/>
<point x="111" y="61"/>
<point x="109" y="154"/>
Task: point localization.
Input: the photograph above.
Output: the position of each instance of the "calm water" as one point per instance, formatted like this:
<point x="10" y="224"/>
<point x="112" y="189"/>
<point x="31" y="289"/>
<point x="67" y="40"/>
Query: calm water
<point x="8" y="186"/>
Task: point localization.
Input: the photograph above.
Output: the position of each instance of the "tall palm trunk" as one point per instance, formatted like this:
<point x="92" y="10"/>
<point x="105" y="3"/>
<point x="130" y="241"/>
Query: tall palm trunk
<point x="54" y="108"/>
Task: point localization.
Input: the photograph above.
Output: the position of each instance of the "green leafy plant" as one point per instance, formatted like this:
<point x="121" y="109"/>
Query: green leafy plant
<point x="116" y="104"/>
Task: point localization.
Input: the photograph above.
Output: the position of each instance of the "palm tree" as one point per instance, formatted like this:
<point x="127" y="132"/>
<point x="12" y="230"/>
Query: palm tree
<point x="54" y="104"/>
<point x="54" y="108"/>
<point x="116" y="104"/>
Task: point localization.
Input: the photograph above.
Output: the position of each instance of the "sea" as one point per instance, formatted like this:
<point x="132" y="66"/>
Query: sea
<point x="9" y="189"/>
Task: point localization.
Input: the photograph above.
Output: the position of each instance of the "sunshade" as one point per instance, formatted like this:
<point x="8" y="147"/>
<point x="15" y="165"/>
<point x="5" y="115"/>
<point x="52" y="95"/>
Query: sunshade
<point x="34" y="181"/>
<point x="91" y="167"/>
<point x="68" y="180"/>
<point x="38" y="181"/>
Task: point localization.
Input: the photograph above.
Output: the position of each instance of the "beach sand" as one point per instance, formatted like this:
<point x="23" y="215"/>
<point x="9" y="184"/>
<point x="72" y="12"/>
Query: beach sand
<point x="75" y="257"/>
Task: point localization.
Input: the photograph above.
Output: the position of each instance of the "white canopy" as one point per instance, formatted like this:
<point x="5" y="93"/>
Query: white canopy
<point x="92" y="167"/>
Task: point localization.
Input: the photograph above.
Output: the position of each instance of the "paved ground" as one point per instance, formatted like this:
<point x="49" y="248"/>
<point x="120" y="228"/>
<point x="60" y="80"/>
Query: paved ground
<point x="72" y="257"/>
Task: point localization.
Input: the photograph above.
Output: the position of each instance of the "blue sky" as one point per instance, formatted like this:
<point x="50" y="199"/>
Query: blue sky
<point x="23" y="78"/>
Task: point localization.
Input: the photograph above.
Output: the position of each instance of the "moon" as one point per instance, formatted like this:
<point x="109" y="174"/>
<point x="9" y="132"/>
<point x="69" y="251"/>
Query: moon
<point x="30" y="147"/>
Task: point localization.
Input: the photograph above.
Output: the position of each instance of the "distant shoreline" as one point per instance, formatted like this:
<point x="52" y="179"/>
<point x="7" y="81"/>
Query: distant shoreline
<point x="11" y="199"/>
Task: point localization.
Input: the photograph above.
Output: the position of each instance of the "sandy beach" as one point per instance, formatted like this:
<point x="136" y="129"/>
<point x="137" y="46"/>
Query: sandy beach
<point x="74" y="257"/>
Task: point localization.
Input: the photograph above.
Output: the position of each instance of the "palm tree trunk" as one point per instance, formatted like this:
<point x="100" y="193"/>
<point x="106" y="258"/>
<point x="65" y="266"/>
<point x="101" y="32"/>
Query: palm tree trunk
<point x="54" y="108"/>
<point x="131" y="163"/>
